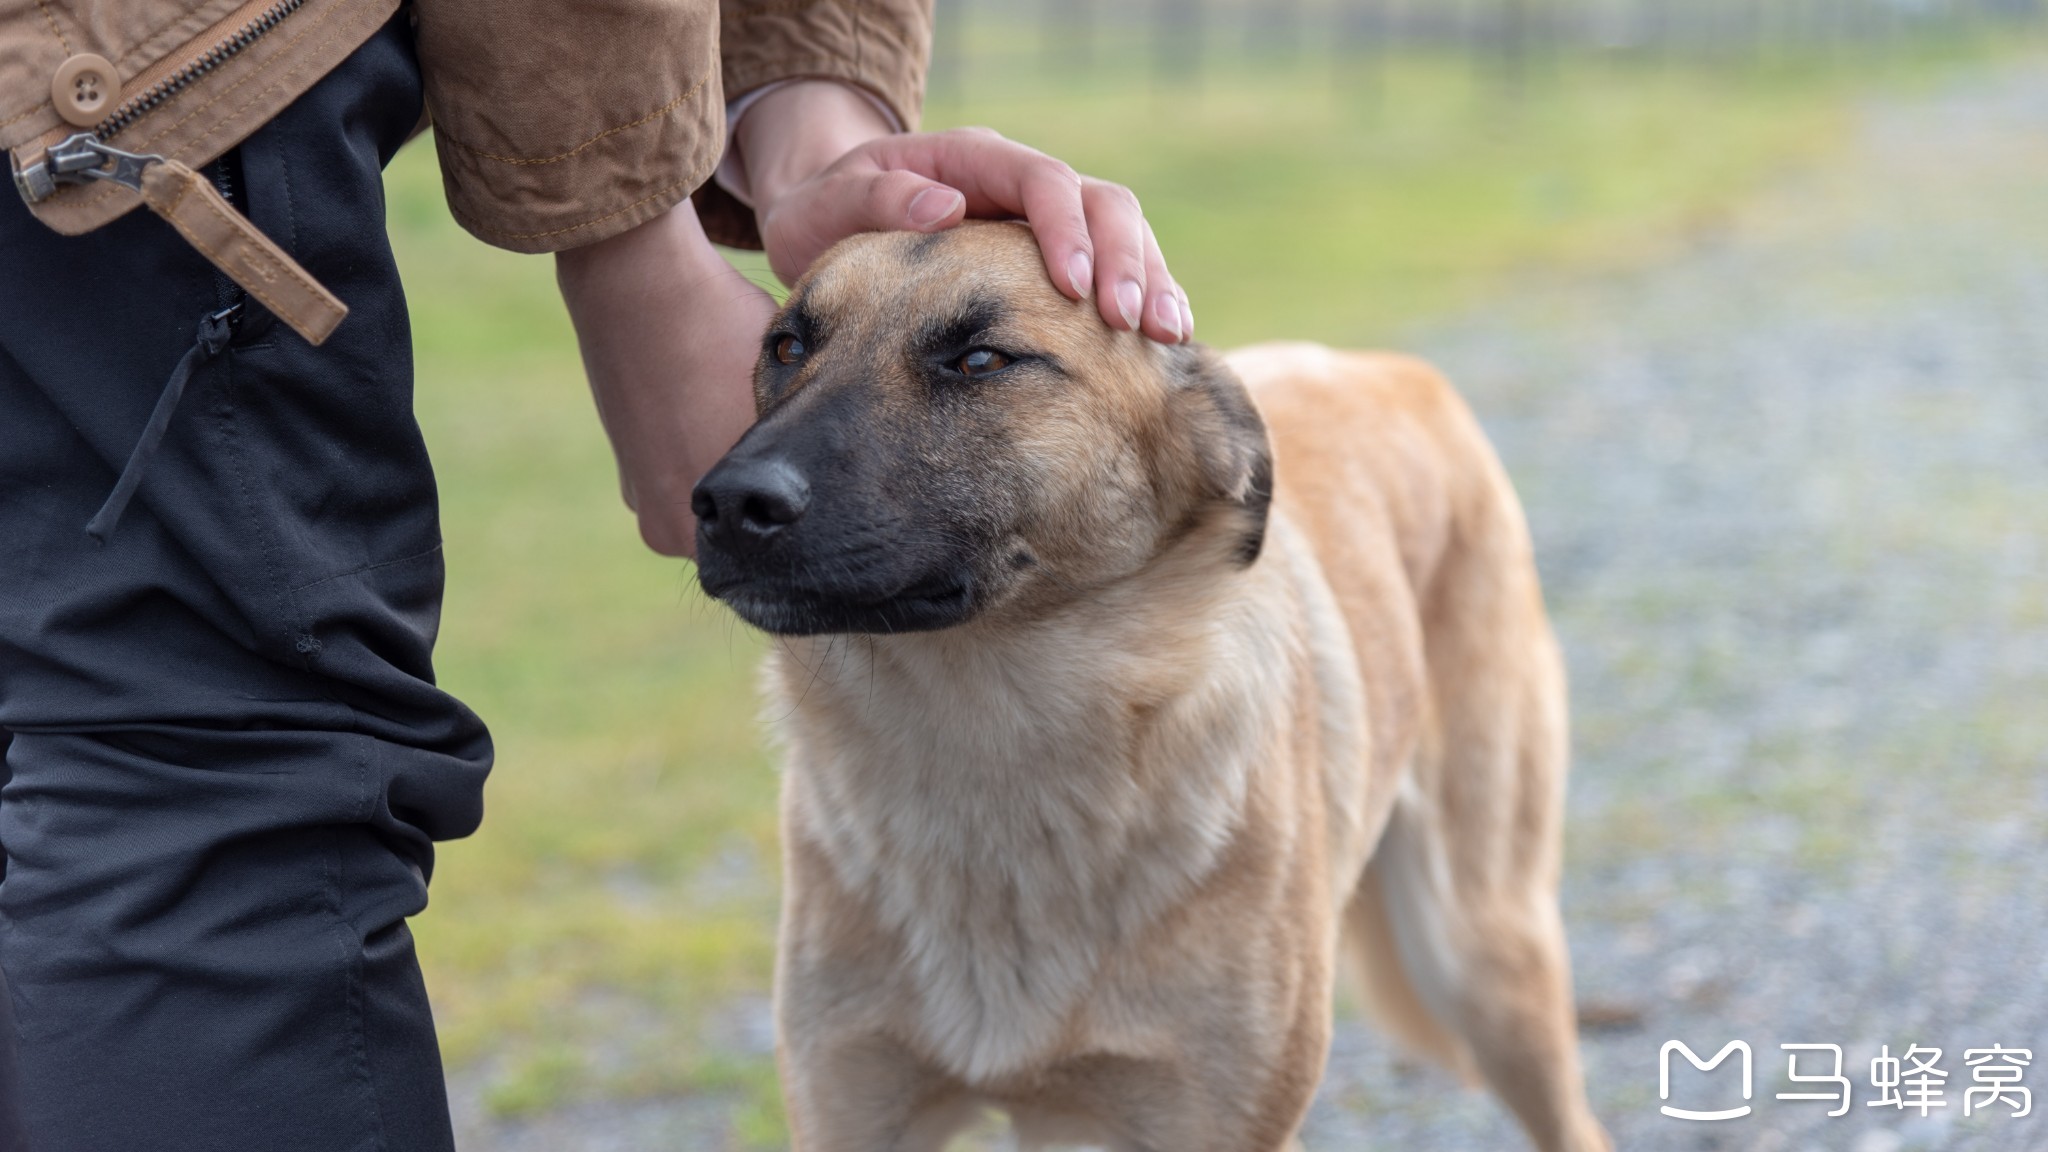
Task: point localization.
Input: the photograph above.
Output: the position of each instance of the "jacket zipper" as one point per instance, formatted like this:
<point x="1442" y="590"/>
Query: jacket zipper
<point x="85" y="156"/>
<point x="226" y="49"/>
<point x="226" y="168"/>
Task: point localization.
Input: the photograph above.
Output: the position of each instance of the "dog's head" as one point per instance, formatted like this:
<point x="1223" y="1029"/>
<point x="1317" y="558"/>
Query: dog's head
<point x="945" y="437"/>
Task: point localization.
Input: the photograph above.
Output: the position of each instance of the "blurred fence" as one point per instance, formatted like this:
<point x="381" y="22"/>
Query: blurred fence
<point x="1176" y="39"/>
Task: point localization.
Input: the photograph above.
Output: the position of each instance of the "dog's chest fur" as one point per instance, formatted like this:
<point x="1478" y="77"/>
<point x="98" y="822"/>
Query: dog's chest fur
<point x="1015" y="810"/>
<point x="1011" y="817"/>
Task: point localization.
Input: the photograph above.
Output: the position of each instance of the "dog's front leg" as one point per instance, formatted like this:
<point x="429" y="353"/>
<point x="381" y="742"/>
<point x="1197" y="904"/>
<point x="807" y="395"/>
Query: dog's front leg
<point x="868" y="1095"/>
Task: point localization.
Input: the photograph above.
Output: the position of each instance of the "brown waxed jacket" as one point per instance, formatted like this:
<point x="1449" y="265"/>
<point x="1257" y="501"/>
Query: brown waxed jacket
<point x="558" y="122"/>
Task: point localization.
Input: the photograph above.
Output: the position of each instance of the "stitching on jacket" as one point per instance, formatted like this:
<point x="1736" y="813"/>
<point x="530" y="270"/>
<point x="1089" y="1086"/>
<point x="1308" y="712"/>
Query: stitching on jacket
<point x="140" y="48"/>
<point x="657" y="194"/>
<point x="142" y="42"/>
<point x="664" y="110"/>
<point x="44" y="7"/>
<point x="62" y="42"/>
<point x="171" y="208"/>
<point x="272" y="299"/>
<point x="256" y="72"/>
<point x="24" y="113"/>
<point x="258" y="254"/>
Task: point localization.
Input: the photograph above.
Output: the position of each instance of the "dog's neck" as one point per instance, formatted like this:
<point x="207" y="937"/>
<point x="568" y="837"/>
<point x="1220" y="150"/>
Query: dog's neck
<point x="1075" y="694"/>
<point x="1013" y="801"/>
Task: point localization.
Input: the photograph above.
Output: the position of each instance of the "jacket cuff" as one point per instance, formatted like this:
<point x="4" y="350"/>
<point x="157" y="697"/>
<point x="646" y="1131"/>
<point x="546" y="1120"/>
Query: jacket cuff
<point x="732" y="170"/>
<point x="881" y="46"/>
<point x="535" y="162"/>
<point x="725" y="205"/>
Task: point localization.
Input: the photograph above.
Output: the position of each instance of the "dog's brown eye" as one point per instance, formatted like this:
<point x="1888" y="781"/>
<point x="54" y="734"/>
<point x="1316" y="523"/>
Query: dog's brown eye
<point x="981" y="362"/>
<point x="789" y="350"/>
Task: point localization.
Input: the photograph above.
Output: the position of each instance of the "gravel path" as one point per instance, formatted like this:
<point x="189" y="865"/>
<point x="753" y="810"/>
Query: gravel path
<point x="1790" y="495"/>
<point x="1790" y="498"/>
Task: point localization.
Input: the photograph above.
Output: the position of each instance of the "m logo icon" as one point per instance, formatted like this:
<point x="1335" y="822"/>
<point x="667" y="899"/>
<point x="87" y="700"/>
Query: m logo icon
<point x="1664" y="1078"/>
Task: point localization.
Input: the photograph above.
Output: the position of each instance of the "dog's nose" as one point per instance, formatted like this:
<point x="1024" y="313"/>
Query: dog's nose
<point x="743" y="504"/>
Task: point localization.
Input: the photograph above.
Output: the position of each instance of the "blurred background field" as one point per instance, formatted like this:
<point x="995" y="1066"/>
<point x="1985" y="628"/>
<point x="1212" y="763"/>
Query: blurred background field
<point x="1348" y="173"/>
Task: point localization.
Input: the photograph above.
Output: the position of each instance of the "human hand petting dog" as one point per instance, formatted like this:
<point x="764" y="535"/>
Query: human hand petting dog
<point x="822" y="164"/>
<point x="670" y="332"/>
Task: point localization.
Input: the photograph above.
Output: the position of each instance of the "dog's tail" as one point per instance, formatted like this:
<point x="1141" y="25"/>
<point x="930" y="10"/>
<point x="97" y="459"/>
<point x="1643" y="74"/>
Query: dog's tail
<point x="1395" y="945"/>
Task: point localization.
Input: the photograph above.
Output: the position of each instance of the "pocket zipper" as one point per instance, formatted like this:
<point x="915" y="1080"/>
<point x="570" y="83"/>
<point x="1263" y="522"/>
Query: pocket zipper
<point x="223" y="171"/>
<point x="86" y="156"/>
<point x="195" y="206"/>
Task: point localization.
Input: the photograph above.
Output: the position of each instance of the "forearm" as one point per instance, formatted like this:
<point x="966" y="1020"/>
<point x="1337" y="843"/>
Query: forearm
<point x="668" y="332"/>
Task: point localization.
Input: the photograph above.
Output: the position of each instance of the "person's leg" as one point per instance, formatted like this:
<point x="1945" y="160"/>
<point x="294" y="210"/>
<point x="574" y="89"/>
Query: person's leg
<point x="11" y="1136"/>
<point x="229" y="754"/>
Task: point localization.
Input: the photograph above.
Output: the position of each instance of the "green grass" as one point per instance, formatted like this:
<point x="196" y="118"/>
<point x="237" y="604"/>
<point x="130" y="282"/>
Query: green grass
<point x="1343" y="204"/>
<point x="624" y="879"/>
<point x="621" y="702"/>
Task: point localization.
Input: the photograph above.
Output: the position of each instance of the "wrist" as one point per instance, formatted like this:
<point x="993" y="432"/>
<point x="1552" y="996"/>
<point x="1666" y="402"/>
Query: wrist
<point x="669" y="251"/>
<point x="800" y="129"/>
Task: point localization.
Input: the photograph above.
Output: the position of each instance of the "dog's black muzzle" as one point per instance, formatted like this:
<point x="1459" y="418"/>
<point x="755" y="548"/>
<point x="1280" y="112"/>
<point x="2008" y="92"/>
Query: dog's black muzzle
<point x="797" y="540"/>
<point x="744" y="505"/>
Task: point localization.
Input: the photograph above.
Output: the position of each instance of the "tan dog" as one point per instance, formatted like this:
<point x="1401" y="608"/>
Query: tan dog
<point x="1124" y="683"/>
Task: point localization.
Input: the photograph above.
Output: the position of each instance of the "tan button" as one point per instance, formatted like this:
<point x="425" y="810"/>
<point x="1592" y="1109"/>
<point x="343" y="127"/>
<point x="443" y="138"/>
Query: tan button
<point x="85" y="89"/>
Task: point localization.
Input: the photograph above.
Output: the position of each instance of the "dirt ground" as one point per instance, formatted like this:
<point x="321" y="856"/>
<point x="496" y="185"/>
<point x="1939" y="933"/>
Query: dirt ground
<point x="1790" y="496"/>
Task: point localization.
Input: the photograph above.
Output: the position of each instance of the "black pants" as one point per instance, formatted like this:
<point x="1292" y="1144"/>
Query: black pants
<point x="229" y="758"/>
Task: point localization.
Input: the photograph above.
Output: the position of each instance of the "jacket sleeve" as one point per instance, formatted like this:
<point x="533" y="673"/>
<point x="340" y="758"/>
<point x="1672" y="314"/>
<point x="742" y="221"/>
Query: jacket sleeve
<point x="880" y="45"/>
<point x="559" y="124"/>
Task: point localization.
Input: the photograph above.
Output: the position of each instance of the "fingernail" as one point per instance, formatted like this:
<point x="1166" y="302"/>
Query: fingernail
<point x="1129" y="299"/>
<point x="933" y="205"/>
<point x="1080" y="272"/>
<point x="1166" y="310"/>
<point x="1187" y="316"/>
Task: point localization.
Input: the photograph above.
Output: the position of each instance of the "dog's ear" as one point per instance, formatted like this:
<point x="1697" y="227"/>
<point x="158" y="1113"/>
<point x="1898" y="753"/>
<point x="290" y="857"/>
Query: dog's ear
<point x="1228" y="436"/>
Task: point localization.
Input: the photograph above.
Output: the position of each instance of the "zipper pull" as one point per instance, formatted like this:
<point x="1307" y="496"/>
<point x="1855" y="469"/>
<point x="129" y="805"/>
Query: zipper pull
<point x="208" y="222"/>
<point x="84" y="158"/>
<point x="230" y="316"/>
<point x="81" y="159"/>
<point x="215" y="330"/>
